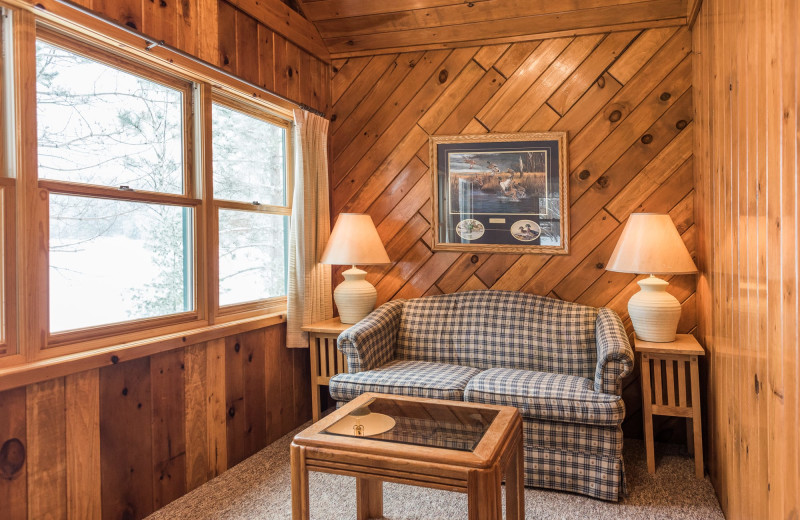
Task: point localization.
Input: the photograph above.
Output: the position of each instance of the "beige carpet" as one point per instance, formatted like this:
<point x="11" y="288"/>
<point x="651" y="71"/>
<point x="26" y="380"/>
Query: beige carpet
<point x="259" y="488"/>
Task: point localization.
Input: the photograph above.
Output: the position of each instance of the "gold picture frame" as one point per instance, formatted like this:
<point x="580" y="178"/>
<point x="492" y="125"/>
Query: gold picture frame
<point x="500" y="193"/>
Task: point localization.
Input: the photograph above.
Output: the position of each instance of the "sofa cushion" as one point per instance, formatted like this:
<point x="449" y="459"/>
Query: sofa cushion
<point x="412" y="378"/>
<point x="541" y="395"/>
<point x="493" y="329"/>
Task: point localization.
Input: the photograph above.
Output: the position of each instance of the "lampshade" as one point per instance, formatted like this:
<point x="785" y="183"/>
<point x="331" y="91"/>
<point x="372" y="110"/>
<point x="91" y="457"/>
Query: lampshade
<point x="650" y="244"/>
<point x="354" y="241"/>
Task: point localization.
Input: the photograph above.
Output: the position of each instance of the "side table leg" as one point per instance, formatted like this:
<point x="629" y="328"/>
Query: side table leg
<point x="484" y="495"/>
<point x="369" y="498"/>
<point x="515" y="483"/>
<point x="697" y="420"/>
<point x="314" y="355"/>
<point x="300" y="507"/>
<point x="647" y="406"/>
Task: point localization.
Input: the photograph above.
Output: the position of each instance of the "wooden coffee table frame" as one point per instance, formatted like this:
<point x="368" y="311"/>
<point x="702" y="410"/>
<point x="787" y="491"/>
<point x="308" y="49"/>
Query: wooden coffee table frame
<point x="478" y="473"/>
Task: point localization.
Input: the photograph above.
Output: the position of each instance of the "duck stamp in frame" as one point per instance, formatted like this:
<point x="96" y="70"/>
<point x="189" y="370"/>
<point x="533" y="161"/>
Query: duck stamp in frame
<point x="500" y="193"/>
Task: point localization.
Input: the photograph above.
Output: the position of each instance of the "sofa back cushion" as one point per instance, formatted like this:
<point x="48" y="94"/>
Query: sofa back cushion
<point x="489" y="329"/>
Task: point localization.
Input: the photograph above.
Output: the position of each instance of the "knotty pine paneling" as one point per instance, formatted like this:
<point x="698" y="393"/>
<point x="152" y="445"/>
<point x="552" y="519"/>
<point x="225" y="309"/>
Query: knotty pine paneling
<point x="227" y="37"/>
<point x="365" y="27"/>
<point x="256" y="53"/>
<point x="625" y="100"/>
<point x="746" y="72"/>
<point x="126" y="439"/>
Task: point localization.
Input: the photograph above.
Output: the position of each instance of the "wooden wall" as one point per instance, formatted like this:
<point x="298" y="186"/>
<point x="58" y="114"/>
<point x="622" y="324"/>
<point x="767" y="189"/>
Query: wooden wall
<point x="625" y="99"/>
<point x="747" y="79"/>
<point x="125" y="440"/>
<point x="366" y="27"/>
<point x="230" y="38"/>
<point x="252" y="51"/>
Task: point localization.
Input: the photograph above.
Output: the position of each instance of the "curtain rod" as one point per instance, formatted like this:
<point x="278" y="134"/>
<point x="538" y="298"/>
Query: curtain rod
<point x="151" y="43"/>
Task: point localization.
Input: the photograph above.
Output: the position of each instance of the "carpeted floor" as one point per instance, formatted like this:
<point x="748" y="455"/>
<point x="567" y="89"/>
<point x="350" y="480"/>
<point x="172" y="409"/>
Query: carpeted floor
<point x="260" y="488"/>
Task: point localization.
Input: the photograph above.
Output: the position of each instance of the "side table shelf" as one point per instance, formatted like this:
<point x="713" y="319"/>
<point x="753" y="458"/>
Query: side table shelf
<point x="670" y="364"/>
<point x="326" y="360"/>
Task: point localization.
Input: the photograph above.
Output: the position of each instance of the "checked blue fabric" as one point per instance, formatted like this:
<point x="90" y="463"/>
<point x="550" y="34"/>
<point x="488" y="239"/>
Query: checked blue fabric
<point x="411" y="378"/>
<point x="560" y="363"/>
<point x="542" y="395"/>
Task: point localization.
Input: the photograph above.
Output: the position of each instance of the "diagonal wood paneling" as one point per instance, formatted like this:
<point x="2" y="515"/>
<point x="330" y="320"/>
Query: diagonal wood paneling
<point x="625" y="100"/>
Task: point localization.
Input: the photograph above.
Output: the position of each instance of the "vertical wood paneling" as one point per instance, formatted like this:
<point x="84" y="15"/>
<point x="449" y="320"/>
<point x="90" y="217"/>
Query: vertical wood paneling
<point x="247" y="63"/>
<point x="234" y="399"/>
<point x="255" y="409"/>
<point x="126" y="450"/>
<point x="387" y="106"/>
<point x="261" y="55"/>
<point x="123" y="440"/>
<point x="746" y="62"/>
<point x="47" y="468"/>
<point x="217" y="410"/>
<point x="159" y="19"/>
<point x="13" y="454"/>
<point x="82" y="396"/>
<point x="169" y="441"/>
<point x="227" y="37"/>
<point x="273" y="337"/>
<point x="196" y="416"/>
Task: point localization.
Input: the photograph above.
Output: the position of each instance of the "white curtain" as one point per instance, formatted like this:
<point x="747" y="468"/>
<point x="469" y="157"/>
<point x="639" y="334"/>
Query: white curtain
<point x="309" y="298"/>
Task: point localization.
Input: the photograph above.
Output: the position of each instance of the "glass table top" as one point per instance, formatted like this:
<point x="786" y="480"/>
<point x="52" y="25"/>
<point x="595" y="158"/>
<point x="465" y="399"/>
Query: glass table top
<point x="435" y="425"/>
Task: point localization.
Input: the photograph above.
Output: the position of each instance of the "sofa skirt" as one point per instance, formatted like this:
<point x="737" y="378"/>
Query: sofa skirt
<point x="574" y="457"/>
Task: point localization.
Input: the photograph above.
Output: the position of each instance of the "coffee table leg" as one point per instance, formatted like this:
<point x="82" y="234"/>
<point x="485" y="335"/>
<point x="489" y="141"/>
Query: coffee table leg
<point x="369" y="498"/>
<point x="484" y="494"/>
<point x="300" y="508"/>
<point x="515" y="484"/>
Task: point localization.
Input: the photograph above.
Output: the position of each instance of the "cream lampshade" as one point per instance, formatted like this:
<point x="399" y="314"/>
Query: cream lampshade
<point x="650" y="244"/>
<point x="354" y="240"/>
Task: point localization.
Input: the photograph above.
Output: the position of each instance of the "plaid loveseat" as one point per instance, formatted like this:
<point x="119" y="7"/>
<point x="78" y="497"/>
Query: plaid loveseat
<point x="560" y="363"/>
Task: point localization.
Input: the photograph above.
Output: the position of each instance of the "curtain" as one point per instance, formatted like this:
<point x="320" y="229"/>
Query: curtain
<point x="309" y="298"/>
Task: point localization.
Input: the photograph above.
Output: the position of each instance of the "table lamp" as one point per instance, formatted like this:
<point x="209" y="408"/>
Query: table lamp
<point x="354" y="240"/>
<point x="650" y="244"/>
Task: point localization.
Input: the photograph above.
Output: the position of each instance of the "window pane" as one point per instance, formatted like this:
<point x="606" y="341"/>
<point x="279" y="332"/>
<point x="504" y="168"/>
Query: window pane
<point x="249" y="158"/>
<point x="100" y="125"/>
<point x="113" y="261"/>
<point x="252" y="256"/>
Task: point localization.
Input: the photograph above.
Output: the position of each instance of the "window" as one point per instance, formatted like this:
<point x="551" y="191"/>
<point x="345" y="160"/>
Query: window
<point x="250" y="160"/>
<point x="153" y="207"/>
<point x="112" y="153"/>
<point x="8" y="343"/>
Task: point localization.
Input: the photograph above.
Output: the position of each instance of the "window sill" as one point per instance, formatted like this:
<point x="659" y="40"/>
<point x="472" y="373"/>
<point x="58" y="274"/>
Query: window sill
<point x="44" y="369"/>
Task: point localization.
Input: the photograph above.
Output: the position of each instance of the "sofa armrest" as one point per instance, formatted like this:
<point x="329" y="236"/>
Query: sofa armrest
<point x="370" y="343"/>
<point x="614" y="353"/>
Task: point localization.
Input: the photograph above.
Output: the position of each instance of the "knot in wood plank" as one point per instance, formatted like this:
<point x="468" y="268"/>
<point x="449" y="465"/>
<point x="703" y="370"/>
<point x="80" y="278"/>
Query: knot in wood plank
<point x="12" y="458"/>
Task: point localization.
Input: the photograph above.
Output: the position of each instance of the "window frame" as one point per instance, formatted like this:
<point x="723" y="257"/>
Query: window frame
<point x="266" y="305"/>
<point x="37" y="357"/>
<point x="9" y="348"/>
<point x="77" y="45"/>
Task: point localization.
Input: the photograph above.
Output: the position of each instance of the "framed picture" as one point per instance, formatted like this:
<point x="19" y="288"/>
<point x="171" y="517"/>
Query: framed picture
<point x="503" y="193"/>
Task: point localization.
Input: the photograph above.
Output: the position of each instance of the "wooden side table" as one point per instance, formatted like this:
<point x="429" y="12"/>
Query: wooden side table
<point x="326" y="360"/>
<point x="670" y="364"/>
<point x="439" y="459"/>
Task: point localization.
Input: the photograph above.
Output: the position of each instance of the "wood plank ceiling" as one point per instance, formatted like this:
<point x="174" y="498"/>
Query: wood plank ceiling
<point x="366" y="27"/>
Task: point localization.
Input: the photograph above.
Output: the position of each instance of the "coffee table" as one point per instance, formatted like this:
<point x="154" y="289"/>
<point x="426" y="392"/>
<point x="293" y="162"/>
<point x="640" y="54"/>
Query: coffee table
<point x="450" y="445"/>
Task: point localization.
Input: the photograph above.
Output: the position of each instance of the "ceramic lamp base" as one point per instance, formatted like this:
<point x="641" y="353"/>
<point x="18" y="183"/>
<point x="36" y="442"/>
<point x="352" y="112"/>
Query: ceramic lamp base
<point x="355" y="297"/>
<point x="654" y="312"/>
